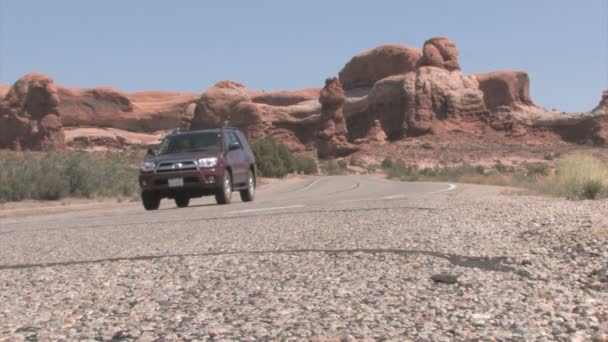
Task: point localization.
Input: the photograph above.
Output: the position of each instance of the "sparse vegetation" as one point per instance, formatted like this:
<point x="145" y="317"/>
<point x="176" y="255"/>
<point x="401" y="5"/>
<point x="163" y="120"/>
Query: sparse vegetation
<point x="577" y="176"/>
<point x="276" y="161"/>
<point x="305" y="165"/>
<point x="387" y="163"/>
<point x="55" y="175"/>
<point x="580" y="177"/>
<point x="332" y="167"/>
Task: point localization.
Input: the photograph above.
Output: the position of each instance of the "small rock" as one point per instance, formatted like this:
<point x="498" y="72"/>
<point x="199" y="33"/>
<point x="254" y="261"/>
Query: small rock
<point x="445" y="278"/>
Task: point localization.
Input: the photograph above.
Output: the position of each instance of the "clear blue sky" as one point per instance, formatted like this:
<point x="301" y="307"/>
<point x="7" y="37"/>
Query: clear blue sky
<point x="189" y="45"/>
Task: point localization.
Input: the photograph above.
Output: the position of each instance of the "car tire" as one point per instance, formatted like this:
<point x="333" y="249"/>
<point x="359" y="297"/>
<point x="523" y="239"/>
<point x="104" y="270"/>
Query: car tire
<point x="248" y="195"/>
<point x="182" y="202"/>
<point x="224" y="193"/>
<point x="150" y="200"/>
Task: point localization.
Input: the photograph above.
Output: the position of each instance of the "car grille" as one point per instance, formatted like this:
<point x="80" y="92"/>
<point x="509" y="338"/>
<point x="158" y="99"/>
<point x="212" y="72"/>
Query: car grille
<point x="187" y="180"/>
<point x="176" y="166"/>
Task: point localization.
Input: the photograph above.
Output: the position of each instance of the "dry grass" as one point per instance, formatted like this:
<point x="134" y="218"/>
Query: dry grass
<point x="578" y="176"/>
<point x="575" y="176"/>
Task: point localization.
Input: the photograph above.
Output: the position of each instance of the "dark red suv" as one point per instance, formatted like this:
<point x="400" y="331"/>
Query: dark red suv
<point x="198" y="163"/>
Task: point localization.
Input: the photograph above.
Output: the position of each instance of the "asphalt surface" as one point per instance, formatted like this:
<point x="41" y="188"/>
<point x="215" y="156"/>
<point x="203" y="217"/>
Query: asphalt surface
<point x="128" y="231"/>
<point x="338" y="258"/>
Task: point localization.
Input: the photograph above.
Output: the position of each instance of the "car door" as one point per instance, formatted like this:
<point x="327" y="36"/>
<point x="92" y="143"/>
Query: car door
<point x="235" y="158"/>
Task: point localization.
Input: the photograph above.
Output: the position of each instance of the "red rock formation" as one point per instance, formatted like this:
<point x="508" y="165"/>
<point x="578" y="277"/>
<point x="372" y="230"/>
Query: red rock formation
<point x="216" y="105"/>
<point x="505" y="88"/>
<point x="332" y="129"/>
<point x="28" y="115"/>
<point x="138" y="112"/>
<point x="286" y="98"/>
<point x="230" y="103"/>
<point x="4" y="88"/>
<point x="392" y="92"/>
<point x="368" y="67"/>
<point x="376" y="134"/>
<point x="440" y="52"/>
<point x="602" y="107"/>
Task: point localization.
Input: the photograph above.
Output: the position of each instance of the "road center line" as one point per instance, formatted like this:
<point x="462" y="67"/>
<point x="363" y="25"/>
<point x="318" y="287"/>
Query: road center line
<point x="266" y="209"/>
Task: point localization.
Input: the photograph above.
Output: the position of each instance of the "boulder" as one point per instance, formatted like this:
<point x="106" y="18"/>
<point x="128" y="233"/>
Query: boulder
<point x="215" y="106"/>
<point x="29" y="118"/>
<point x="440" y="52"/>
<point x="370" y="66"/>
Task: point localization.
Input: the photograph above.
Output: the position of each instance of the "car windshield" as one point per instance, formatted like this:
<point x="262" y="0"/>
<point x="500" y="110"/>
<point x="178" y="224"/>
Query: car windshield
<point x="203" y="141"/>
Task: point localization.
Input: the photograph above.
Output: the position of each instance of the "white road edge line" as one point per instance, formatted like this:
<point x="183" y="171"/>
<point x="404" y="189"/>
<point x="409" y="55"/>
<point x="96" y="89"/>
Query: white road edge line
<point x="450" y="188"/>
<point x="266" y="209"/>
<point x="309" y="185"/>
<point x="393" y="197"/>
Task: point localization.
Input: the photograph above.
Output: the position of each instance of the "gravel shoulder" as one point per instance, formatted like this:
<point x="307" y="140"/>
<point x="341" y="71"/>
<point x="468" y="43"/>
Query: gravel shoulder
<point x="330" y="263"/>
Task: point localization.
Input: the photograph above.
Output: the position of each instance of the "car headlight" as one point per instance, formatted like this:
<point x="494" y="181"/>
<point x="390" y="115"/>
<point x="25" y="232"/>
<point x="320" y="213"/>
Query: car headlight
<point x="148" y="166"/>
<point x="207" y="162"/>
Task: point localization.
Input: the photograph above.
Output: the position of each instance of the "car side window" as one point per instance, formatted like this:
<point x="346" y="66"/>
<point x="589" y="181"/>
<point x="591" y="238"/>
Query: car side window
<point x="232" y="139"/>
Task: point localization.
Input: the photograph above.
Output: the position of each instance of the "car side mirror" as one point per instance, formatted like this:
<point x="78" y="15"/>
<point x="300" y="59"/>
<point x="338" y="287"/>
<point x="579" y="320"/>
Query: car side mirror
<point x="151" y="152"/>
<point x="234" y="146"/>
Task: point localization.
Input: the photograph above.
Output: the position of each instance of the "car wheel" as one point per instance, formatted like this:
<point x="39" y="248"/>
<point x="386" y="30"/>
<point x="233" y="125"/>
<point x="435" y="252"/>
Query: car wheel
<point x="182" y="202"/>
<point x="150" y="200"/>
<point x="224" y="193"/>
<point x="248" y="195"/>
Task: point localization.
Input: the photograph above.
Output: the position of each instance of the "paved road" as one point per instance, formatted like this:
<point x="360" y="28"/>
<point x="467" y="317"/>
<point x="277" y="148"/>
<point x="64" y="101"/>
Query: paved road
<point x="350" y="256"/>
<point x="84" y="234"/>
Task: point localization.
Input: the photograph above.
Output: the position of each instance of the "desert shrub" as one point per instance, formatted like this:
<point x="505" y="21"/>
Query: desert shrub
<point x="332" y="167"/>
<point x="273" y="159"/>
<point x="357" y="162"/>
<point x="342" y="164"/>
<point x="502" y="168"/>
<point x="387" y="163"/>
<point x="305" y="165"/>
<point x="536" y="169"/>
<point x="371" y="168"/>
<point x="457" y="172"/>
<point x="402" y="170"/>
<point x="580" y="177"/>
<point x="56" y="175"/>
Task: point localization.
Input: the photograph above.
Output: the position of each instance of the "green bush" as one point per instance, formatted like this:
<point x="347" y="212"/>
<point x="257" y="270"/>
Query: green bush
<point x="273" y="159"/>
<point x="342" y="164"/>
<point x="387" y="163"/>
<point x="305" y="165"/>
<point x="401" y="170"/>
<point x="357" y="162"/>
<point x="536" y="169"/>
<point x="333" y="168"/>
<point x="56" y="175"/>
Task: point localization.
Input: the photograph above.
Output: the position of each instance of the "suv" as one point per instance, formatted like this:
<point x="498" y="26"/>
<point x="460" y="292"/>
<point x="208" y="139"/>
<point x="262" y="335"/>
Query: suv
<point x="198" y="163"/>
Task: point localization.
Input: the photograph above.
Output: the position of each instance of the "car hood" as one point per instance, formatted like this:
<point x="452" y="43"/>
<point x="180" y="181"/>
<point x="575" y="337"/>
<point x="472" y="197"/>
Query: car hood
<point x="184" y="156"/>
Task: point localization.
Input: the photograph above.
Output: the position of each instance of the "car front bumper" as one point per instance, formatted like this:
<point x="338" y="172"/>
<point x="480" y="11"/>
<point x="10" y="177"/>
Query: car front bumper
<point x="195" y="183"/>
